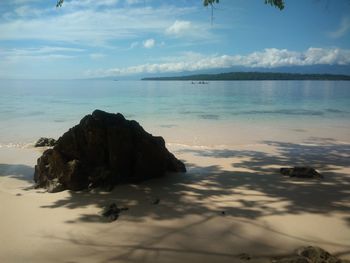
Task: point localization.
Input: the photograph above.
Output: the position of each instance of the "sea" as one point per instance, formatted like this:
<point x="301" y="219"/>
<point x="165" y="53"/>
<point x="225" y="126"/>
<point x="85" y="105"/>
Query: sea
<point x="181" y="111"/>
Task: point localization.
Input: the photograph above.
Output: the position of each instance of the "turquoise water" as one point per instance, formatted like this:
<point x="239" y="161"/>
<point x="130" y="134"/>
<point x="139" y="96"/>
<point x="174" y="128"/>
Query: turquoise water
<point x="33" y="108"/>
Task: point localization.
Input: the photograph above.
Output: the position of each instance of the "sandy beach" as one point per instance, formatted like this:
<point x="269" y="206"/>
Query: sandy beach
<point x="232" y="201"/>
<point x="174" y="131"/>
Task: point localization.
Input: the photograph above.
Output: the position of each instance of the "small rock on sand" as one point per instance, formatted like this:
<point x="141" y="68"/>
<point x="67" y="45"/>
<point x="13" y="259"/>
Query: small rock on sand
<point x="310" y="255"/>
<point x="244" y="256"/>
<point x="156" y="201"/>
<point x="301" y="172"/>
<point x="112" y="212"/>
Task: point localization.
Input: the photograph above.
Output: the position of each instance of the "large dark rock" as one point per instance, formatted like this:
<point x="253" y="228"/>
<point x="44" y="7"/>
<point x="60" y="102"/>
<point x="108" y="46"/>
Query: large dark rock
<point x="104" y="149"/>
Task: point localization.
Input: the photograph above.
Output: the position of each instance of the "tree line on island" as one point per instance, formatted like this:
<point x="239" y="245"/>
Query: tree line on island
<point x="254" y="76"/>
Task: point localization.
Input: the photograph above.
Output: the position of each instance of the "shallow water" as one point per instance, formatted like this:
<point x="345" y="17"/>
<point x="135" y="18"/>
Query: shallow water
<point x="33" y="108"/>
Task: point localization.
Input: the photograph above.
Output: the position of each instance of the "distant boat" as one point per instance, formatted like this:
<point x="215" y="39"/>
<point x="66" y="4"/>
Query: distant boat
<point x="200" y="82"/>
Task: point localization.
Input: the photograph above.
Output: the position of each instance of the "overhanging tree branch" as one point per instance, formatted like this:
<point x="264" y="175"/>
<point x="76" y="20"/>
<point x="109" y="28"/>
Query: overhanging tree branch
<point x="277" y="3"/>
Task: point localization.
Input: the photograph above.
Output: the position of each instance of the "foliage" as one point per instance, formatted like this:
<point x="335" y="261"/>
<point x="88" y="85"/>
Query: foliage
<point x="210" y="2"/>
<point x="59" y="3"/>
<point x="277" y="3"/>
<point x="255" y="76"/>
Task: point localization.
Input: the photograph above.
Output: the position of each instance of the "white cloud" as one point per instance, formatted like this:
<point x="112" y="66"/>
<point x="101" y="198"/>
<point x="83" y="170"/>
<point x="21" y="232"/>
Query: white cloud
<point x="133" y="44"/>
<point x="92" y="27"/>
<point x="42" y="53"/>
<point x="343" y="28"/>
<point x="91" y="4"/>
<point x="23" y="10"/>
<point x="269" y="58"/>
<point x="190" y="30"/>
<point x="96" y="56"/>
<point x="26" y="12"/>
<point x="96" y="23"/>
<point x="133" y="2"/>
<point x="149" y="43"/>
<point x="178" y="28"/>
<point x="20" y="2"/>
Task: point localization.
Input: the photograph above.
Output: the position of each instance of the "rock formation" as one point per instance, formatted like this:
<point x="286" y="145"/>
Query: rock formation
<point x="104" y="149"/>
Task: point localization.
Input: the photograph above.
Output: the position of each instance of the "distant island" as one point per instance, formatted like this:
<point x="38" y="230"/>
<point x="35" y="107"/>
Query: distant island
<point x="254" y="76"/>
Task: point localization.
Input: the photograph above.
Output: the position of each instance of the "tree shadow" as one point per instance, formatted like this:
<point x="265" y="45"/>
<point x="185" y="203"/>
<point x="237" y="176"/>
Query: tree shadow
<point x="18" y="171"/>
<point x="183" y="194"/>
<point x="268" y="193"/>
<point x="254" y="189"/>
<point x="320" y="153"/>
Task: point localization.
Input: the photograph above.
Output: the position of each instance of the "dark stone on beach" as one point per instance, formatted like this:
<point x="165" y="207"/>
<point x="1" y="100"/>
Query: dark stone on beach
<point x="244" y="256"/>
<point x="42" y="142"/>
<point x="310" y="255"/>
<point x="317" y="255"/>
<point x="112" y="212"/>
<point x="156" y="201"/>
<point x="301" y="172"/>
<point x="103" y="150"/>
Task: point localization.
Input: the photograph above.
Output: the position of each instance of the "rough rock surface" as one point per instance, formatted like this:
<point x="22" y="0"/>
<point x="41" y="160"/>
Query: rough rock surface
<point x="316" y="254"/>
<point x="112" y="212"/>
<point x="104" y="149"/>
<point x="301" y="172"/>
<point x="310" y="255"/>
<point x="42" y="142"/>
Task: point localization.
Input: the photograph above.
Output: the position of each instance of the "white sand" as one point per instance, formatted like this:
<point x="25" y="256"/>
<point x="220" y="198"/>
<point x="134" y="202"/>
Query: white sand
<point x="266" y="214"/>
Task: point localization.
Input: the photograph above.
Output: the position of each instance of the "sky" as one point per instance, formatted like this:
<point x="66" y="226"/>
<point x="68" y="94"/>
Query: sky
<point x="126" y="38"/>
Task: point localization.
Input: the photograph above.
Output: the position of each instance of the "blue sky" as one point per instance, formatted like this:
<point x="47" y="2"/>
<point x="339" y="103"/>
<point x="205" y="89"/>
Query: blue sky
<point x="112" y="38"/>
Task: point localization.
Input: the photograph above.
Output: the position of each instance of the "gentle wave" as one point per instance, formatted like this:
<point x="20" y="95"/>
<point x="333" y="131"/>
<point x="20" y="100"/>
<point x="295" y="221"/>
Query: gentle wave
<point x="215" y="146"/>
<point x="17" y="145"/>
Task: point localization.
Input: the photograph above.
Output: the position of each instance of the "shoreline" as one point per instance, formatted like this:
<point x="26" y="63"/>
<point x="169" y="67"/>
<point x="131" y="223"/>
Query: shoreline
<point x="218" y="133"/>
<point x="266" y="214"/>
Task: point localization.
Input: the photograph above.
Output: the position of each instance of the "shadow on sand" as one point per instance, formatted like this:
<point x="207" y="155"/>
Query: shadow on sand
<point x="18" y="171"/>
<point x="258" y="174"/>
<point x="182" y="194"/>
<point x="254" y="189"/>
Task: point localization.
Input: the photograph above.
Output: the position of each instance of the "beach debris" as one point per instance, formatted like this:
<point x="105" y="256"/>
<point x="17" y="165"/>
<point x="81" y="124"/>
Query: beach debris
<point x="156" y="201"/>
<point x="103" y="150"/>
<point x="45" y="142"/>
<point x="301" y="172"/>
<point x="200" y="82"/>
<point x="111" y="212"/>
<point x="310" y="254"/>
<point x="244" y="256"/>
